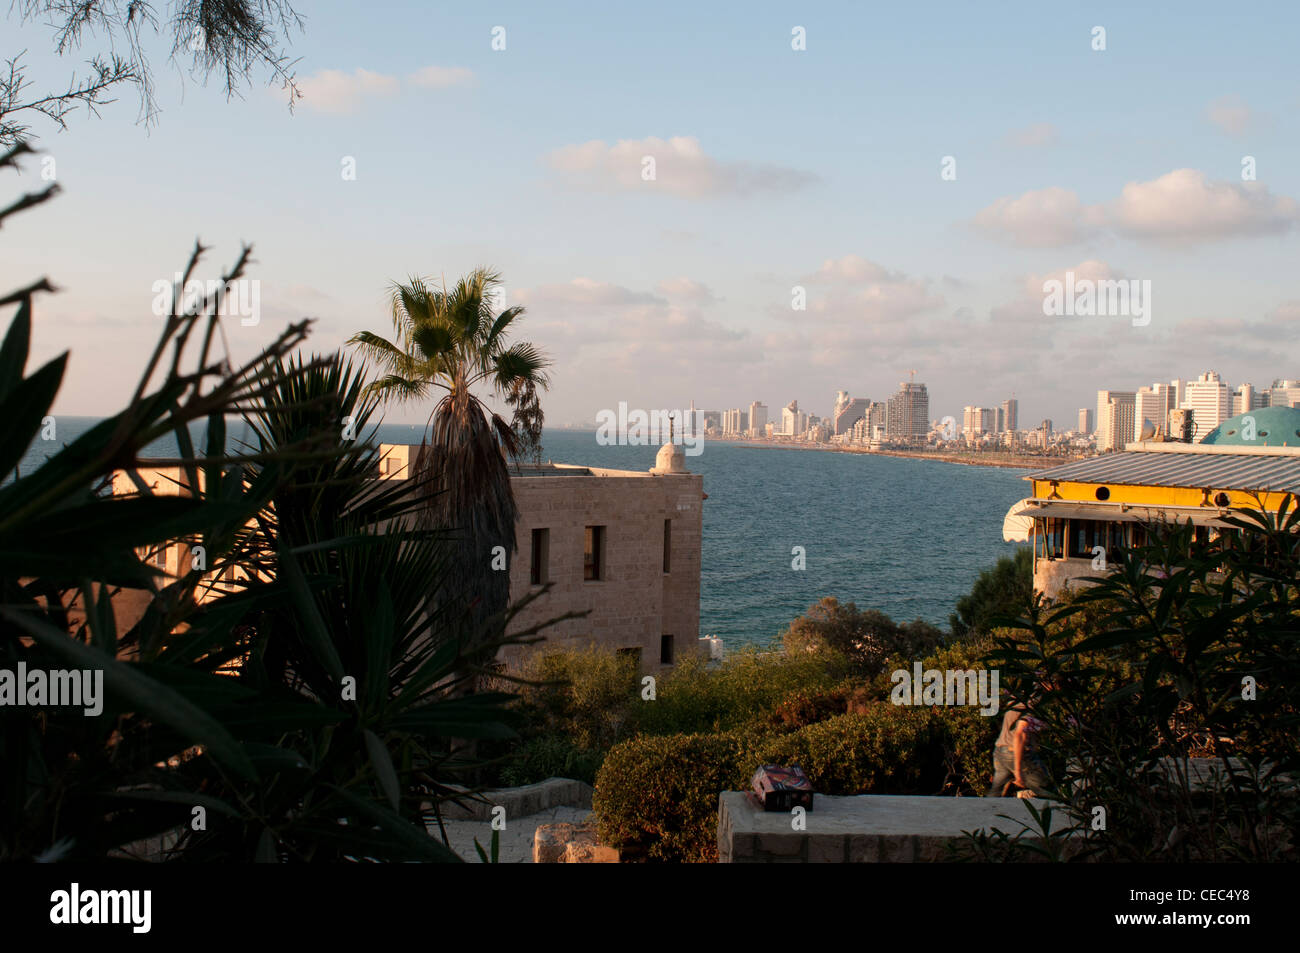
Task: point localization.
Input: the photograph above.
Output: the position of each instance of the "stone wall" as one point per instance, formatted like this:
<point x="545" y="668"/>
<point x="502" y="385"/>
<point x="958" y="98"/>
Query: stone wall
<point x="865" y="829"/>
<point x="636" y="602"/>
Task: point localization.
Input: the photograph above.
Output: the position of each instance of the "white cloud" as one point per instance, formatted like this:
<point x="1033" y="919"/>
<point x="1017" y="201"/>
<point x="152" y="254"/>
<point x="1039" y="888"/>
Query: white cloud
<point x="1183" y="207"/>
<point x="681" y="168"/>
<point x="1034" y="136"/>
<point x="583" y="293"/>
<point x="1027" y="306"/>
<point x="1179" y="208"/>
<point x="333" y="91"/>
<point x="1045" y="218"/>
<point x="1232" y="115"/>
<point x="440" y="77"/>
<point x="686" y="289"/>
<point x="853" y="268"/>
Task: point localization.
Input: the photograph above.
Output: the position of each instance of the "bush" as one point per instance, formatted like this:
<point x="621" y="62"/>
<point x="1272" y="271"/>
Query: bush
<point x="1149" y="664"/>
<point x="747" y="687"/>
<point x="586" y="695"/>
<point x="1001" y="592"/>
<point x="887" y="750"/>
<point x="657" y="796"/>
<point x="550" y="756"/>
<point x="803" y="707"/>
<point x="864" y="639"/>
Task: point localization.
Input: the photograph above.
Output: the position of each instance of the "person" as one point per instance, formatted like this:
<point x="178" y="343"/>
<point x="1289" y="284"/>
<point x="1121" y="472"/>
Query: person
<point x="1015" y="758"/>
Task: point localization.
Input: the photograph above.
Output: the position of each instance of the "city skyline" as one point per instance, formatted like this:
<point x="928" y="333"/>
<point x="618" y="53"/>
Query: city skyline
<point x="1006" y="413"/>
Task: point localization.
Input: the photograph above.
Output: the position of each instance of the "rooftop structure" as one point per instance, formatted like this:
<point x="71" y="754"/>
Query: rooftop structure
<point x="1102" y="505"/>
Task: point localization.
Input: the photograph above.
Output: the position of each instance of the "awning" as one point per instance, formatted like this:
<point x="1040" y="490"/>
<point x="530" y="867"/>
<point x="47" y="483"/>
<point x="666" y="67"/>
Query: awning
<point x="1114" y="513"/>
<point x="1016" y="527"/>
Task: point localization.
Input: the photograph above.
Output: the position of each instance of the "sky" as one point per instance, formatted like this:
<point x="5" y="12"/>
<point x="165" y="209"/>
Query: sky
<point x="918" y="170"/>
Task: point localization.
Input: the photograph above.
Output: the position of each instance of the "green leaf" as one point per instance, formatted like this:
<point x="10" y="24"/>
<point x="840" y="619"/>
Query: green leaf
<point x="142" y="692"/>
<point x="384" y="770"/>
<point x="413" y="838"/>
<point x="13" y="354"/>
<point x="22" y="411"/>
<point x="190" y="799"/>
<point x="315" y="633"/>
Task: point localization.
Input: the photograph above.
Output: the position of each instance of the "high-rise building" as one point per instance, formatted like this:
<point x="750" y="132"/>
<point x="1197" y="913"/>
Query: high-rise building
<point x="1179" y="388"/>
<point x="1115" y="413"/>
<point x="734" y="422"/>
<point x="977" y="421"/>
<point x="907" y="414"/>
<point x="848" y="411"/>
<point x="712" y="420"/>
<point x="793" y="421"/>
<point x="757" y="419"/>
<point x="1151" y="407"/>
<point x="1243" y="399"/>
<point x="1011" y="415"/>
<point x="1210" y="402"/>
<point x="876" y="416"/>
<point x="1001" y="423"/>
<point x="1085" y="420"/>
<point x="1284" y="393"/>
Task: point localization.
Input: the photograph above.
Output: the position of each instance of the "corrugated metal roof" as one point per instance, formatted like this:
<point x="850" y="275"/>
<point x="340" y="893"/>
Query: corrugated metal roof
<point x="1220" y="471"/>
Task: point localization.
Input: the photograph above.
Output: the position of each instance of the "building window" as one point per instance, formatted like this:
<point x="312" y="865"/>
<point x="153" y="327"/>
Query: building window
<point x="666" y="650"/>
<point x="538" y="572"/>
<point x="668" y="545"/>
<point x="1050" y="538"/>
<point x="1086" y="535"/>
<point x="593" y="554"/>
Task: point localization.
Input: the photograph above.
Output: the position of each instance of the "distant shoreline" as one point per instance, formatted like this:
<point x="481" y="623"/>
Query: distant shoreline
<point x="1005" y="461"/>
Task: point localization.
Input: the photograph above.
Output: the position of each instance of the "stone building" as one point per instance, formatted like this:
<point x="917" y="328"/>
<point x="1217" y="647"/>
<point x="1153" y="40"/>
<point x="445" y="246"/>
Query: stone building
<point x="621" y="545"/>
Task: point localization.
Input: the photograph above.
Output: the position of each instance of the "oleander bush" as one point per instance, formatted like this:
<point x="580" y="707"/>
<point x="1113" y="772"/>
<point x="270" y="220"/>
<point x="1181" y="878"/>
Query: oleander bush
<point x="1189" y="649"/>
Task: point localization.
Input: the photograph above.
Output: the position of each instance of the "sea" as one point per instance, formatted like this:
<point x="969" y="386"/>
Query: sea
<point x="905" y="536"/>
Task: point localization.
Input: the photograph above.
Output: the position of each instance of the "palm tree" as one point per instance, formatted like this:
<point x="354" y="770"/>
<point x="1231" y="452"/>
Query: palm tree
<point x="450" y="341"/>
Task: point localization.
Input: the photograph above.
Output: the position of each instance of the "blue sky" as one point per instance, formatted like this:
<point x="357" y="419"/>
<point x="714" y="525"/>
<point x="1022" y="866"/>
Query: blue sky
<point x="818" y="168"/>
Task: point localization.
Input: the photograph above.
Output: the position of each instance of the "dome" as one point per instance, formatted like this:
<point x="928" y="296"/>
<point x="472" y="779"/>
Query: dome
<point x="1273" y="427"/>
<point x="670" y="459"/>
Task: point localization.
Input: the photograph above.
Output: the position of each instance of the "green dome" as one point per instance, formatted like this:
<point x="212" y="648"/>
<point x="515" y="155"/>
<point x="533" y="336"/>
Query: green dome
<point x="1274" y="427"/>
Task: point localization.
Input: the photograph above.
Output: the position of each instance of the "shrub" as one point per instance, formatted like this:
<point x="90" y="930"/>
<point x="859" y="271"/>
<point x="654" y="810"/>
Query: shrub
<point x="1002" y="591"/>
<point x="865" y="639"/>
<point x="1150" y="664"/>
<point x="657" y="796"/>
<point x="803" y="707"/>
<point x="550" y="756"/>
<point x="747" y="687"/>
<point x="584" y="694"/>
<point x="887" y="750"/>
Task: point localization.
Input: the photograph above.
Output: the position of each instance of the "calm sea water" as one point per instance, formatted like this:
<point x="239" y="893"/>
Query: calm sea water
<point x="907" y="537"/>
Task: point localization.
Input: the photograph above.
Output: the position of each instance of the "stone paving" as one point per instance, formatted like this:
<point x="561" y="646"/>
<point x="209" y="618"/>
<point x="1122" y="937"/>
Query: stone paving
<point x="516" y="839"/>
